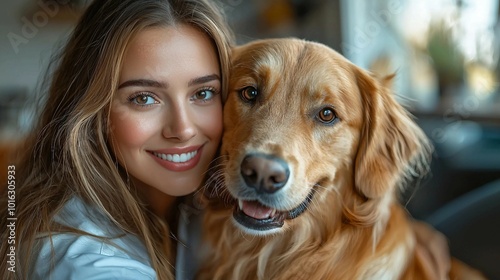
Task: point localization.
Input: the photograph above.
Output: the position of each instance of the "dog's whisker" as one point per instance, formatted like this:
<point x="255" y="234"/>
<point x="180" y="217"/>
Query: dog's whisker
<point x="247" y="237"/>
<point x="330" y="189"/>
<point x="216" y="164"/>
<point x="316" y="189"/>
<point x="314" y="202"/>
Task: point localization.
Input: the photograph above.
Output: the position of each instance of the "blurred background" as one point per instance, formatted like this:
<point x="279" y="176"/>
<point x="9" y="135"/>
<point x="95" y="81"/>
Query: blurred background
<point x="445" y="54"/>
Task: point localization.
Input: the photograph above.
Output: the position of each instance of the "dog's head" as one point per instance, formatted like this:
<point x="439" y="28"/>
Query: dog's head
<point x="306" y="132"/>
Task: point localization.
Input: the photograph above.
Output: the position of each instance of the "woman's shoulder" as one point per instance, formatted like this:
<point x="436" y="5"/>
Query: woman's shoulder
<point x="104" y="253"/>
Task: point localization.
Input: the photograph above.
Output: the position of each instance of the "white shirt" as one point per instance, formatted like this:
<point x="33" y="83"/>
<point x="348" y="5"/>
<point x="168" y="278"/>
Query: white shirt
<point x="86" y="257"/>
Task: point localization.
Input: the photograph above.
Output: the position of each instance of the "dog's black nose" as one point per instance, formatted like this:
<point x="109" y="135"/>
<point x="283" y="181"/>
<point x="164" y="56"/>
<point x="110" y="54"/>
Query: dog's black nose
<point x="265" y="173"/>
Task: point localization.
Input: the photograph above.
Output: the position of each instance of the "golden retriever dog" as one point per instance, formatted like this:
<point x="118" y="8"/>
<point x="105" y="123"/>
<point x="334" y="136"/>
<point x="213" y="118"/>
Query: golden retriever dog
<point x="314" y="154"/>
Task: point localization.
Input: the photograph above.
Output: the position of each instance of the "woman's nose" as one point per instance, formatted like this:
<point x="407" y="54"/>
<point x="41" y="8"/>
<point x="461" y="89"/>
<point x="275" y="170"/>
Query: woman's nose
<point x="180" y="125"/>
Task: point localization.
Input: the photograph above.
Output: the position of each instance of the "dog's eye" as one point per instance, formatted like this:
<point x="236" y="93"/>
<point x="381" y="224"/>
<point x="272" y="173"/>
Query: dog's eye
<point x="327" y="115"/>
<point x="249" y="94"/>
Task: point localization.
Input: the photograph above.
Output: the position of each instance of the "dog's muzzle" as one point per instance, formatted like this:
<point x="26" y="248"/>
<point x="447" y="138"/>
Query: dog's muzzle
<point x="265" y="175"/>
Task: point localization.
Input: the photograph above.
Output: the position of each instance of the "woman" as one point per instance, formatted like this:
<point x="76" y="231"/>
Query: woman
<point x="132" y="120"/>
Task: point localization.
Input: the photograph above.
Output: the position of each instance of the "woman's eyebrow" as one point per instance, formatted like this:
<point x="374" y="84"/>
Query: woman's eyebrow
<point x="143" y="83"/>
<point x="203" y="79"/>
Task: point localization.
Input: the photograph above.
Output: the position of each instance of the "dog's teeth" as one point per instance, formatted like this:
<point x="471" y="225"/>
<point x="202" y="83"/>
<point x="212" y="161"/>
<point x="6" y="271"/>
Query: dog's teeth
<point x="240" y="204"/>
<point x="273" y="213"/>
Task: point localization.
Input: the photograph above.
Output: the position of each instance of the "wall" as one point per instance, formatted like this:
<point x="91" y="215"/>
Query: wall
<point x="29" y="33"/>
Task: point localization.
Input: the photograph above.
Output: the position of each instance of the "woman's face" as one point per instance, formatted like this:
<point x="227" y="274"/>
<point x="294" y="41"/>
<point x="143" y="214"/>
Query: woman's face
<point x="166" y="117"/>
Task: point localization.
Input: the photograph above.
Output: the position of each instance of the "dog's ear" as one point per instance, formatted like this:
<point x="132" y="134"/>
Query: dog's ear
<point x="392" y="147"/>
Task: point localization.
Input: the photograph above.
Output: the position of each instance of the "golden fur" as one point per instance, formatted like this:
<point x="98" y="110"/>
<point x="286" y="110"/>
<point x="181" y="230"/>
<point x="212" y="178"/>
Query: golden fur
<point x="354" y="168"/>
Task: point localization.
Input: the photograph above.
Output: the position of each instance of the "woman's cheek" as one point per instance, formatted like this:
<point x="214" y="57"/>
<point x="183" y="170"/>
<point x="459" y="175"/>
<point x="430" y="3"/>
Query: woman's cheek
<point x="132" y="129"/>
<point x="212" y="122"/>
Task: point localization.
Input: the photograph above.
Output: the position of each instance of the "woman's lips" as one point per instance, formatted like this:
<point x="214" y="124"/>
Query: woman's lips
<point x="178" y="160"/>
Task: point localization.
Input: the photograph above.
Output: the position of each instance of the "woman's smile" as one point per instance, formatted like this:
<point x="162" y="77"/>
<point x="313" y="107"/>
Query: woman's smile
<point x="181" y="159"/>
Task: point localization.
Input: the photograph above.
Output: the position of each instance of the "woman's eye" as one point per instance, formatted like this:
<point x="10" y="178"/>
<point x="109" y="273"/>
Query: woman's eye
<point x="205" y="94"/>
<point x="143" y="99"/>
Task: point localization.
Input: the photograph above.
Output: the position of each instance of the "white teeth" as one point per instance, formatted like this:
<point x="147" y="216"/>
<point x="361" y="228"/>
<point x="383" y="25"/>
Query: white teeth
<point x="183" y="157"/>
<point x="240" y="204"/>
<point x="273" y="213"/>
<point x="177" y="158"/>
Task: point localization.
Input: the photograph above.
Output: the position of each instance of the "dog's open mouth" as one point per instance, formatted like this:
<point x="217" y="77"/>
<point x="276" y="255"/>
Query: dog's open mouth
<point x="256" y="216"/>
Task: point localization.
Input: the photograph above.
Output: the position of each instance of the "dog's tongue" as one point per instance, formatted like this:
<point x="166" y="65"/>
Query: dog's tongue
<point x="256" y="210"/>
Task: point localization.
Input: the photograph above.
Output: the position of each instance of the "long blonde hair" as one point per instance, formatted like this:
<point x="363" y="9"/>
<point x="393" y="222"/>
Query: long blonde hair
<point x="68" y="152"/>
